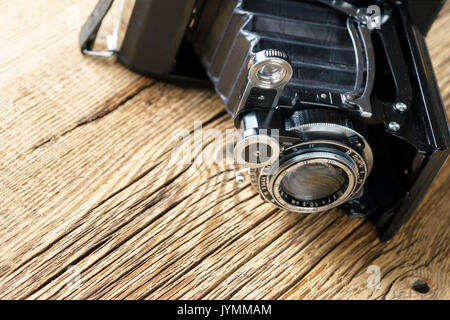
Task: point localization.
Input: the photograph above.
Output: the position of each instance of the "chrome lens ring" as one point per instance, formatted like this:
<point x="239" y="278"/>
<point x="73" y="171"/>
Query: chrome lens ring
<point x="320" y="152"/>
<point x="270" y="69"/>
<point x="291" y="203"/>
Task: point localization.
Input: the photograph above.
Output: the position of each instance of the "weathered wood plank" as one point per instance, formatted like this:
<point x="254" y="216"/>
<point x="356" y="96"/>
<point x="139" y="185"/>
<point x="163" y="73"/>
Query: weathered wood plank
<point x="86" y="177"/>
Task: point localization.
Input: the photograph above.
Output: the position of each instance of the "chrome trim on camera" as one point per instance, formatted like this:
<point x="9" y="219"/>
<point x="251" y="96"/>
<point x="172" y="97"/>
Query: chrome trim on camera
<point x="258" y="62"/>
<point x="355" y="98"/>
<point x="360" y="96"/>
<point x="264" y="59"/>
<point x="115" y="39"/>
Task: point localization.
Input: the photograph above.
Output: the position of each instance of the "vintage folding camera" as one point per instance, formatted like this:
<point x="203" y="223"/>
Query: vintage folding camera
<point x="336" y="101"/>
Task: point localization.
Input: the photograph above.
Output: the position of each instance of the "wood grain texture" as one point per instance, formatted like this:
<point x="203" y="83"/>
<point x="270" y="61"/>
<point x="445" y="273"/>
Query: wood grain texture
<point x="86" y="181"/>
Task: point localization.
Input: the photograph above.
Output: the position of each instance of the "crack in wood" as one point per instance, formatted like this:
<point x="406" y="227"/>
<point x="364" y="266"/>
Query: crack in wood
<point x="157" y="198"/>
<point x="107" y="109"/>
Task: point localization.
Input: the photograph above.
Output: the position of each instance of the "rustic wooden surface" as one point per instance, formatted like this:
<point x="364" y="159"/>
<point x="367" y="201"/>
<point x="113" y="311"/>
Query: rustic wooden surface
<point x="86" y="186"/>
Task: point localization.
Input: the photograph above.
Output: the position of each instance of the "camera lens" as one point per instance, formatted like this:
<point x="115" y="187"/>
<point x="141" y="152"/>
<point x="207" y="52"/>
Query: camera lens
<point x="314" y="181"/>
<point x="313" y="176"/>
<point x="326" y="168"/>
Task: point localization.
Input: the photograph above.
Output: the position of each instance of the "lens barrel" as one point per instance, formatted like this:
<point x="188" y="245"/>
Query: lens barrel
<point x="324" y="171"/>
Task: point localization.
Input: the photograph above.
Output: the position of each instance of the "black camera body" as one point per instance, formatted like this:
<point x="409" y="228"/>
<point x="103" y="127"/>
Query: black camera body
<point x="336" y="101"/>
